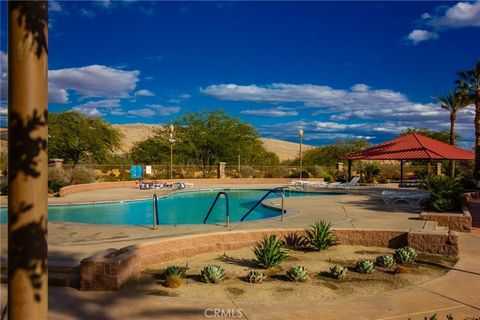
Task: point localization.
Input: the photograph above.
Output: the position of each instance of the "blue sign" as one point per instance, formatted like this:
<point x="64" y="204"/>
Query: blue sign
<point x="136" y="172"/>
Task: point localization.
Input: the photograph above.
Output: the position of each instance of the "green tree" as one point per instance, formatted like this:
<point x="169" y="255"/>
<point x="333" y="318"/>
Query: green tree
<point x="469" y="84"/>
<point x="443" y="135"/>
<point x="75" y="138"/>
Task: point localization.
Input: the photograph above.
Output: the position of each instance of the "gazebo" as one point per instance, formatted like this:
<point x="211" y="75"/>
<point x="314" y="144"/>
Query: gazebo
<point x="412" y="146"/>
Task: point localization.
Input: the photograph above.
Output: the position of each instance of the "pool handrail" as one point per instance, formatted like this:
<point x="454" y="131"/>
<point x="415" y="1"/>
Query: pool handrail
<point x="155" y="212"/>
<point x="227" y="213"/>
<point x="280" y="191"/>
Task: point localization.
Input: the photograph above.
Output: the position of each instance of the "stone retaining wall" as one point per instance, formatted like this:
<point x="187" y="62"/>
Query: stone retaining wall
<point x="110" y="269"/>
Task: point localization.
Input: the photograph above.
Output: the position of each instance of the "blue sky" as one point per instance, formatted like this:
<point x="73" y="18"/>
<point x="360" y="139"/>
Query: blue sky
<point x="335" y="69"/>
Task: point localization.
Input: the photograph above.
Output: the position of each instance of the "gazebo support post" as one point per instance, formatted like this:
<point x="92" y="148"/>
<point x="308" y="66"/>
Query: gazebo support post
<point x="429" y="167"/>
<point x="401" y="173"/>
<point x="349" y="170"/>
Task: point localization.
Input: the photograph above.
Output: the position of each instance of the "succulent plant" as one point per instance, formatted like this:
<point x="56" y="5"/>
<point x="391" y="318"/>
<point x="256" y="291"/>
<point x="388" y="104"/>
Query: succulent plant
<point x="405" y="255"/>
<point x="175" y="271"/>
<point x="255" y="276"/>
<point x="173" y="281"/>
<point x="319" y="236"/>
<point x="297" y="273"/>
<point x="385" y="260"/>
<point x="365" y="266"/>
<point x="338" y="272"/>
<point x="270" y="252"/>
<point x="213" y="274"/>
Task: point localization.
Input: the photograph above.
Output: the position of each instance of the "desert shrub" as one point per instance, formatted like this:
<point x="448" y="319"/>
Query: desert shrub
<point x="278" y="172"/>
<point x="338" y="272"/>
<point x="82" y="174"/>
<point x="295" y="240"/>
<point x="365" y="266"/>
<point x="319" y="236"/>
<point x="175" y="271"/>
<point x="255" y="276"/>
<point x="445" y="193"/>
<point x="385" y="260"/>
<point x="213" y="274"/>
<point x="58" y="178"/>
<point x="247" y="171"/>
<point x="270" y="252"/>
<point x="173" y="281"/>
<point x="4" y="189"/>
<point x="405" y="255"/>
<point x="369" y="171"/>
<point x="297" y="273"/>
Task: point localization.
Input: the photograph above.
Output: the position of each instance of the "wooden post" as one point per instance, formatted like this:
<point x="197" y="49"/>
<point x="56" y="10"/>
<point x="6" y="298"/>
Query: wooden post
<point x="401" y="173"/>
<point x="27" y="159"/>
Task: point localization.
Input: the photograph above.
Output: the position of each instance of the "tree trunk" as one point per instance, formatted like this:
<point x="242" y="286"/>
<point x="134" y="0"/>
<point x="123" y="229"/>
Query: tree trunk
<point x="453" y="118"/>
<point x="476" y="173"/>
<point x="27" y="160"/>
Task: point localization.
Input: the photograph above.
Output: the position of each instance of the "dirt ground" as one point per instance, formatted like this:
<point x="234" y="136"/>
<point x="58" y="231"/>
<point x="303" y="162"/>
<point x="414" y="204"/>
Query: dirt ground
<point x="276" y="287"/>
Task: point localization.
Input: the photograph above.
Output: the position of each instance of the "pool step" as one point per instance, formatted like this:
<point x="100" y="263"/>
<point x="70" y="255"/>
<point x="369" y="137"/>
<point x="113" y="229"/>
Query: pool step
<point x="58" y="276"/>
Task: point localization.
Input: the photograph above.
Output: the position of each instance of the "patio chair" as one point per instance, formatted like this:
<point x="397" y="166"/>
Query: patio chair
<point x="414" y="198"/>
<point x="299" y="184"/>
<point x="344" y="185"/>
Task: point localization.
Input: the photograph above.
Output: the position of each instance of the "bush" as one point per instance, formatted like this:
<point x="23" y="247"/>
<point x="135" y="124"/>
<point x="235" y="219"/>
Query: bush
<point x="247" y="172"/>
<point x="297" y="273"/>
<point x="338" y="272"/>
<point x="405" y="255"/>
<point x="385" y="261"/>
<point x="319" y="236"/>
<point x="82" y="174"/>
<point x="58" y="178"/>
<point x="4" y="189"/>
<point x="445" y="193"/>
<point x="270" y="252"/>
<point x="255" y="277"/>
<point x="173" y="281"/>
<point x="213" y="274"/>
<point x="370" y="171"/>
<point x="365" y="266"/>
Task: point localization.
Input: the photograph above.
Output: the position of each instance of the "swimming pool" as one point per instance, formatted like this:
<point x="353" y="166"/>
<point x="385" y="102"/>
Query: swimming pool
<point x="188" y="207"/>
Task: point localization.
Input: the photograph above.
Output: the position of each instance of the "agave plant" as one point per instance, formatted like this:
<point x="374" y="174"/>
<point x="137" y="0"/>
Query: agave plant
<point x="213" y="274"/>
<point x="319" y="236"/>
<point x="338" y="272"/>
<point x="175" y="271"/>
<point x="270" y="252"/>
<point x="255" y="276"/>
<point x="297" y="273"/>
<point x="405" y="255"/>
<point x="173" y="281"/>
<point x="365" y="266"/>
<point x="385" y="260"/>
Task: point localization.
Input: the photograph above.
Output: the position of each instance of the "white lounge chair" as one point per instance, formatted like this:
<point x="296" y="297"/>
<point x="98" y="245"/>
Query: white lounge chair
<point x="414" y="198"/>
<point x="344" y="185"/>
<point x="299" y="184"/>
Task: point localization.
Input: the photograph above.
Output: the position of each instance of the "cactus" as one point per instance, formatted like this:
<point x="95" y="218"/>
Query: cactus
<point x="270" y="252"/>
<point x="365" y="266"/>
<point x="405" y="255"/>
<point x="173" y="281"/>
<point x="255" y="277"/>
<point x="338" y="272"/>
<point x="175" y="271"/>
<point x="319" y="236"/>
<point x="385" y="260"/>
<point x="213" y="274"/>
<point x="297" y="273"/>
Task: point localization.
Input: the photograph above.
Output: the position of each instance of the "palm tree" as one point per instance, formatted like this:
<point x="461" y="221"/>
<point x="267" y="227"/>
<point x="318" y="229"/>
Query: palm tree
<point x="452" y="102"/>
<point x="469" y="84"/>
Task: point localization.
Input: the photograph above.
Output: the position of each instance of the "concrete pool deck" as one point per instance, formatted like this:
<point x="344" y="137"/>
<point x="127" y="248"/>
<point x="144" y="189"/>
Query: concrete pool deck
<point x="455" y="293"/>
<point x="361" y="208"/>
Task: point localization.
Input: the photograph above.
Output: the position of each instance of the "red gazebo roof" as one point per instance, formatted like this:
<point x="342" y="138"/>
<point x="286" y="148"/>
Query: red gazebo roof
<point x="413" y="146"/>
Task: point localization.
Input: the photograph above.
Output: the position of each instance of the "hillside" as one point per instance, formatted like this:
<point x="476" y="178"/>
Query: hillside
<point x="135" y="132"/>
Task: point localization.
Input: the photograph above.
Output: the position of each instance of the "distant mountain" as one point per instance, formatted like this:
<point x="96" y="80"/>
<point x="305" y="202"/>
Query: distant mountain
<point x="136" y="132"/>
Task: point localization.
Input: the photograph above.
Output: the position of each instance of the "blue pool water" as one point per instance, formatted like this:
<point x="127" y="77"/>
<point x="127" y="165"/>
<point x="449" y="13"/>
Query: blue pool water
<point x="179" y="208"/>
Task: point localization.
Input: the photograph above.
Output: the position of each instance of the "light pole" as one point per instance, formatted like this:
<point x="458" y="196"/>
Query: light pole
<point x="172" y="141"/>
<point x="300" y="134"/>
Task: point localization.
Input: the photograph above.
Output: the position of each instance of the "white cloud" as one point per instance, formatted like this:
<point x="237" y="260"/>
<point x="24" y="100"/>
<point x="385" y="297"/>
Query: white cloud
<point x="87" y="13"/>
<point x="109" y="103"/>
<point x="270" y="112"/>
<point x="93" y="112"/>
<point x="419" y="35"/>
<point x="54" y="6"/>
<point x="426" y="16"/>
<point x="462" y="14"/>
<point x="164" y="110"/>
<point x="360" y="87"/>
<point x="91" y="81"/>
<point x="144" y="93"/>
<point x="143" y="112"/>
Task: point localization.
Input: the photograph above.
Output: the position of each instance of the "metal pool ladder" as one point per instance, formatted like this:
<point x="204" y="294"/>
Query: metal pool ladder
<point x="227" y="213"/>
<point x="155" y="221"/>
<point x="280" y="191"/>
